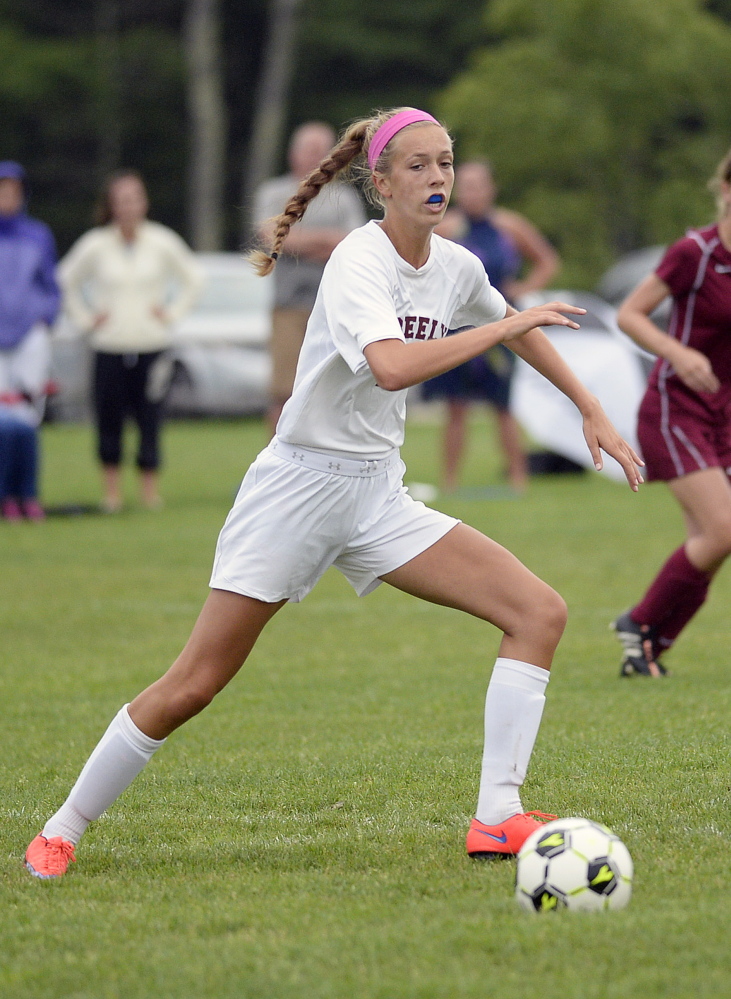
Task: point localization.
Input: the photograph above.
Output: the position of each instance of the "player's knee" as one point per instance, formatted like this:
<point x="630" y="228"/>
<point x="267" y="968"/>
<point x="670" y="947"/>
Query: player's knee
<point x="550" y="614"/>
<point x="725" y="540"/>
<point x="719" y="540"/>
<point x="190" y="700"/>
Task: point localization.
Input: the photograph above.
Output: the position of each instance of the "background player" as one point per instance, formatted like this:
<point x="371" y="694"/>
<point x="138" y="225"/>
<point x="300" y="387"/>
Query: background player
<point x="502" y="240"/>
<point x="328" y="489"/>
<point x="684" y="425"/>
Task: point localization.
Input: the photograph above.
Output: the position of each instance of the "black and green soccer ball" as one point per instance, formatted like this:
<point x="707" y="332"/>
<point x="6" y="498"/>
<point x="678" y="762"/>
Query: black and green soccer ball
<point x="573" y="864"/>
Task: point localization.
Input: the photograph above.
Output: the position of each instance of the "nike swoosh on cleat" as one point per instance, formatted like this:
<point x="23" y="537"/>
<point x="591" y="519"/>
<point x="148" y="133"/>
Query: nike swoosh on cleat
<point x="498" y="839"/>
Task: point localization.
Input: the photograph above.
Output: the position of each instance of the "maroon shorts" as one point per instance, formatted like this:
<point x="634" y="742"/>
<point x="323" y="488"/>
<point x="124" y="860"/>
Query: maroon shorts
<point x="678" y="435"/>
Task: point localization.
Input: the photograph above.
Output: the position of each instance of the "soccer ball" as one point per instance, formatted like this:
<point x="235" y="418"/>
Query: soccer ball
<point x="573" y="864"/>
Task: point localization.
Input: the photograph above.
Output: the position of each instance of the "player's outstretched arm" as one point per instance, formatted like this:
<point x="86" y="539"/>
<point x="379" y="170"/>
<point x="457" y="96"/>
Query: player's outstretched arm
<point x="601" y="435"/>
<point x="537" y="350"/>
<point x="398" y="365"/>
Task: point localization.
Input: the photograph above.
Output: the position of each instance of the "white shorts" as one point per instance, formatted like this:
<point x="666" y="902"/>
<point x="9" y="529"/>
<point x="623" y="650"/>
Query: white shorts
<point x="300" y="511"/>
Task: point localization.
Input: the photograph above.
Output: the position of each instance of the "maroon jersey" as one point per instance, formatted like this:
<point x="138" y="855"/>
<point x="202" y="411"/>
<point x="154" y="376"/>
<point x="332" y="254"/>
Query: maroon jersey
<point x="697" y="269"/>
<point x="682" y="431"/>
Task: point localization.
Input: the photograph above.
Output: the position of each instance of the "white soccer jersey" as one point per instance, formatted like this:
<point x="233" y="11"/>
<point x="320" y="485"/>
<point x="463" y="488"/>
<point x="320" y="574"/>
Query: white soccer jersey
<point x="368" y="293"/>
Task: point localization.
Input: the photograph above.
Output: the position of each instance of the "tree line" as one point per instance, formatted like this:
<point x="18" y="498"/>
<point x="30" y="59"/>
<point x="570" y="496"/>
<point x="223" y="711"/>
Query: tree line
<point x="91" y="85"/>
<point x="602" y="120"/>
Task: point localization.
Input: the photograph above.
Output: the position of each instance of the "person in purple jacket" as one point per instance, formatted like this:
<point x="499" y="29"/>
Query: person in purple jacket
<point x="29" y="303"/>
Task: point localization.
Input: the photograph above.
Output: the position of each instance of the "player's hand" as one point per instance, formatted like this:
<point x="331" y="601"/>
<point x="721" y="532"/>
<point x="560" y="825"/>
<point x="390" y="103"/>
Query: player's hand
<point x="694" y="370"/>
<point x="550" y="314"/>
<point x="601" y="435"/>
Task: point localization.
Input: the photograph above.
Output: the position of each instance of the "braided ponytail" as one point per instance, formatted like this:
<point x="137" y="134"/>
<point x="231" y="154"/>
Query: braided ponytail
<point x="349" y="154"/>
<point x="338" y="159"/>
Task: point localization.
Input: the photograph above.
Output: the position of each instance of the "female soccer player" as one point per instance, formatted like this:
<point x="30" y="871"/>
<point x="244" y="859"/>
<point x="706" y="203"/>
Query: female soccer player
<point x="684" y="425"/>
<point x="328" y="489"/>
<point x="502" y="239"/>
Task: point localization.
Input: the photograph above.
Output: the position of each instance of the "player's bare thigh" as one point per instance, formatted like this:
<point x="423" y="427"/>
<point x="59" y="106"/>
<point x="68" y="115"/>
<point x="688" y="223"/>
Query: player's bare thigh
<point x="705" y="497"/>
<point x="470" y="572"/>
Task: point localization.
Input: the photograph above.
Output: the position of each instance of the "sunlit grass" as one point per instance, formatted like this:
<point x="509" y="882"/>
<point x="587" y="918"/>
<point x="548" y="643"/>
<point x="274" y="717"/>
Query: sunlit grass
<point x="304" y="836"/>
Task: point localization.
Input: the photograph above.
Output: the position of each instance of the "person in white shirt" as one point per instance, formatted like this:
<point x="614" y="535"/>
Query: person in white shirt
<point x="126" y="283"/>
<point x="328" y="489"/>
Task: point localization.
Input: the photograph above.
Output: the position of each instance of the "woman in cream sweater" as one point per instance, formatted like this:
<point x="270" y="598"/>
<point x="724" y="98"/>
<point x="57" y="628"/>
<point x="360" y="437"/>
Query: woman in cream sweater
<point x="126" y="283"/>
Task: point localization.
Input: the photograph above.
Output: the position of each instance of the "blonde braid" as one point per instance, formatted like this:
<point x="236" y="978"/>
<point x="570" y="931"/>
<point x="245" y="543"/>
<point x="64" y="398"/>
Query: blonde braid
<point x="338" y="159"/>
<point x="349" y="153"/>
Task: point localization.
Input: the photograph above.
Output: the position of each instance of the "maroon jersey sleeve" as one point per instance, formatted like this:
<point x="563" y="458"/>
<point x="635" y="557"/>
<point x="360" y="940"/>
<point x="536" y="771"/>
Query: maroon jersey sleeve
<point x="679" y="266"/>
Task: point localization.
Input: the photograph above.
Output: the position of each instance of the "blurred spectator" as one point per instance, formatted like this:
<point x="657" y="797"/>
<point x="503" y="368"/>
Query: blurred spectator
<point x="307" y="248"/>
<point x="126" y="282"/>
<point x="29" y="301"/>
<point x="18" y="468"/>
<point x="502" y="240"/>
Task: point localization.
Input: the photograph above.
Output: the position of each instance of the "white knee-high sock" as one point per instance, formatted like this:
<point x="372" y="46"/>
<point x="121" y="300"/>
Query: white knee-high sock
<point x="513" y="710"/>
<point x="119" y="756"/>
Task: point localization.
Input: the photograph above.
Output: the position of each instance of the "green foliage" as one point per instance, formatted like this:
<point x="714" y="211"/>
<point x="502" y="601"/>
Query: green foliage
<point x="123" y="99"/>
<point x="57" y="117"/>
<point x="603" y="120"/>
<point x="153" y="130"/>
<point x="41" y="80"/>
<point x="305" y="835"/>
<point x="357" y="55"/>
<point x="722" y="8"/>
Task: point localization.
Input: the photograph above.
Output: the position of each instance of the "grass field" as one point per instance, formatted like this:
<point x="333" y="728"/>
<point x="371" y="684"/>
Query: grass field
<point x="304" y="836"/>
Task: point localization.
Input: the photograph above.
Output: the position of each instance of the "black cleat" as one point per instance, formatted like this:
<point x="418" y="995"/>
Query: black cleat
<point x="640" y="648"/>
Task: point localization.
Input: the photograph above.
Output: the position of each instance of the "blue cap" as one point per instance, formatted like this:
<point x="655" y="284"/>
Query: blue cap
<point x="9" y="169"/>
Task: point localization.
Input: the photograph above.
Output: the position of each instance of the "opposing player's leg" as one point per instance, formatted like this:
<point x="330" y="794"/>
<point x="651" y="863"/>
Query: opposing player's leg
<point x="681" y="586"/>
<point x="705" y="498"/>
<point x="472" y="573"/>
<point x="222" y="638"/>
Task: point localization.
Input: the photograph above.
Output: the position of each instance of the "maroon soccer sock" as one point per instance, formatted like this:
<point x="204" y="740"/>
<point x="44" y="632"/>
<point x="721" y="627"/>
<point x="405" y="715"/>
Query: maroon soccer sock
<point x="675" y="595"/>
<point x="671" y="627"/>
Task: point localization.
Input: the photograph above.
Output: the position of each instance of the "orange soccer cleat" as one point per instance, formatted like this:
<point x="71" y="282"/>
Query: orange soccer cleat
<point x="505" y="838"/>
<point x="49" y="858"/>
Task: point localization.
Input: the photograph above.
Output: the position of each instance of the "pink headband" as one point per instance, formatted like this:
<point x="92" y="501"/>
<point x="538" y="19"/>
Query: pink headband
<point x="388" y="129"/>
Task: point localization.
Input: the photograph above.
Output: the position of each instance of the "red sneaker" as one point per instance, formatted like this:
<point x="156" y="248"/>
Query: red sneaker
<point x="49" y="858"/>
<point x="506" y="838"/>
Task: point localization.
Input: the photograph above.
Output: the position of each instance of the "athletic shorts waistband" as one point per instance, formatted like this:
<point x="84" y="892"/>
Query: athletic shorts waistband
<point x="332" y="464"/>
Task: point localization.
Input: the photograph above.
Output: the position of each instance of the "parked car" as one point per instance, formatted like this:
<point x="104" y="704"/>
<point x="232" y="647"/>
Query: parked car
<point x="220" y="358"/>
<point x="622" y="277"/>
<point x="601" y="316"/>
<point x="603" y="358"/>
